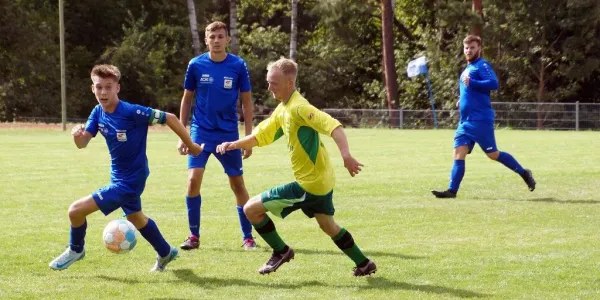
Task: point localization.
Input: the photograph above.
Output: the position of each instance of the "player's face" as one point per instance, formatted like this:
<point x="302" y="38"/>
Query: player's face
<point x="217" y="41"/>
<point x="472" y="51"/>
<point x="106" y="90"/>
<point x="279" y="85"/>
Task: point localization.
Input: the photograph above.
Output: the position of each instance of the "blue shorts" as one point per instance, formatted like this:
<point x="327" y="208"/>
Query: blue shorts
<point x="480" y="132"/>
<point x="116" y="195"/>
<point x="231" y="160"/>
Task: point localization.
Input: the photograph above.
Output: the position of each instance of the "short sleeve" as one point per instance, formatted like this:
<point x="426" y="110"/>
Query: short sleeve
<point x="320" y="121"/>
<point x="244" y="78"/>
<point x="189" y="82"/>
<point x="91" y="125"/>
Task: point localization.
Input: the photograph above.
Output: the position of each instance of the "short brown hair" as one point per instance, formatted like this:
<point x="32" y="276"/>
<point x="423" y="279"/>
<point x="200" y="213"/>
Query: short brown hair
<point x="287" y="66"/>
<point x="472" y="38"/>
<point x="217" y="25"/>
<point x="106" y="71"/>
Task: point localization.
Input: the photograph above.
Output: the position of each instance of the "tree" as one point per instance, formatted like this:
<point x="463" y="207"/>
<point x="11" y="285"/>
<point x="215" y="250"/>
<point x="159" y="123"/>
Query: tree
<point x="391" y="79"/>
<point x="233" y="31"/>
<point x="193" y="26"/>
<point x="294" y="30"/>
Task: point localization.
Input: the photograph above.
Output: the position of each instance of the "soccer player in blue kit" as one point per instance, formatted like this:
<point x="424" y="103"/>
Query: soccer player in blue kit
<point x="125" y="129"/>
<point x="216" y="77"/>
<point x="477" y="119"/>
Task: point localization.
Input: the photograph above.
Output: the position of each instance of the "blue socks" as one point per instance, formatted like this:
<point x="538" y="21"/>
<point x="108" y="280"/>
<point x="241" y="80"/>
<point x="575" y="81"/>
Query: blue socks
<point x="456" y="175"/>
<point x="77" y="237"/>
<point x="244" y="223"/>
<point x="510" y="162"/>
<point x="151" y="233"/>
<point x="193" y="207"/>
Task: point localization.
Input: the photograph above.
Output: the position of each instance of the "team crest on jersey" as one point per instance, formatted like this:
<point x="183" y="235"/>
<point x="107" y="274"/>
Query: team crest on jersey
<point x="228" y="82"/>
<point x="122" y="135"/>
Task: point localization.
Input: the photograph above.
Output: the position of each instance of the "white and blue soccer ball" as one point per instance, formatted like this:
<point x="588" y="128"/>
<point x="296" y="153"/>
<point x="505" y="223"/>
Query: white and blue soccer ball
<point x="120" y="236"/>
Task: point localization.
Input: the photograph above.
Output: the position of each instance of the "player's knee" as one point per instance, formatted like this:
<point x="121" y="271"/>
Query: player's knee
<point x="138" y="219"/>
<point x="193" y="185"/>
<point x="493" y="155"/>
<point x="252" y="208"/>
<point x="237" y="185"/>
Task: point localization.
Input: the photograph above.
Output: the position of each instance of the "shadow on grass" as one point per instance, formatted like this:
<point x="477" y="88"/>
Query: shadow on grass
<point x="374" y="283"/>
<point x="265" y="248"/>
<point x="212" y="282"/>
<point x="554" y="200"/>
<point x="368" y="253"/>
<point x="118" y="279"/>
<point x="379" y="283"/>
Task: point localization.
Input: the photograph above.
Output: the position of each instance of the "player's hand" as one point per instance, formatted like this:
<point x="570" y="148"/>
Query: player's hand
<point x="77" y="130"/>
<point x="352" y="165"/>
<point x="182" y="148"/>
<point x="224" y="147"/>
<point x="246" y="153"/>
<point x="195" y="150"/>
<point x="466" y="79"/>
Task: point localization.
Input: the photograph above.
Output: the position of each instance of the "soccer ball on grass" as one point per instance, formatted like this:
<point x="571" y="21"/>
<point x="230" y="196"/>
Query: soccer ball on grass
<point x="119" y="236"/>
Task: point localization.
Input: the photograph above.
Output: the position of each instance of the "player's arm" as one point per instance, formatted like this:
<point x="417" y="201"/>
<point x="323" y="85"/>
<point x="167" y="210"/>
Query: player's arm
<point x="247" y="110"/>
<point x="489" y="81"/>
<point x="186" y="106"/>
<point x="264" y="134"/>
<point x="350" y="163"/>
<point x="176" y="125"/>
<point x="80" y="136"/>
<point x="247" y="142"/>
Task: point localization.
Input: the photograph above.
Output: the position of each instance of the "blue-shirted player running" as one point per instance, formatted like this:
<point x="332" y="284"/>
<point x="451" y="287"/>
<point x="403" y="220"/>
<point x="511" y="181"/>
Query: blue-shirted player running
<point x="125" y="128"/>
<point x="216" y="78"/>
<point x="477" y="119"/>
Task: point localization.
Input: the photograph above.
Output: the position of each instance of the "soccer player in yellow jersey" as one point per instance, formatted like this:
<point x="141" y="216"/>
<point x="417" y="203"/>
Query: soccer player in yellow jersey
<point x="312" y="192"/>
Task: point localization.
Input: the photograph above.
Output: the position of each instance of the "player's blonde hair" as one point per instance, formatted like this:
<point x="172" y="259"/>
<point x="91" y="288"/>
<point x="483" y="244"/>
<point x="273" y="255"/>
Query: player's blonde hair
<point x="288" y="67"/>
<point x="472" y="38"/>
<point x="214" y="26"/>
<point x="106" y="71"/>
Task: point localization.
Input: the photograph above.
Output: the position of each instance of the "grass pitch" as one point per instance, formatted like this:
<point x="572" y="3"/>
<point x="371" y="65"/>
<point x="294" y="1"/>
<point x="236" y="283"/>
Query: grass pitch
<point x="497" y="240"/>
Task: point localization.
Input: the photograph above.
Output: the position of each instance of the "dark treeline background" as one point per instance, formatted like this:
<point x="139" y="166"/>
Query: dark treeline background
<point x="542" y="50"/>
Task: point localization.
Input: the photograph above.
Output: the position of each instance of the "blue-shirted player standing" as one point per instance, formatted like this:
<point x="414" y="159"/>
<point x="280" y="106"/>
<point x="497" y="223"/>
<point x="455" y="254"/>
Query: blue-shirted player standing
<point x="216" y="78"/>
<point x="477" y="119"/>
<point x="125" y="129"/>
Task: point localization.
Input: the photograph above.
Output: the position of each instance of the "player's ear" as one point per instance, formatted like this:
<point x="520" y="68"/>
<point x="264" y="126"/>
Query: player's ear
<point x="93" y="91"/>
<point x="118" y="87"/>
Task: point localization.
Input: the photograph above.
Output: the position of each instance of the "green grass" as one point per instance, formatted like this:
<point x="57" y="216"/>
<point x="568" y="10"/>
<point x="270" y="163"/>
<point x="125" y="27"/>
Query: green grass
<point x="496" y="241"/>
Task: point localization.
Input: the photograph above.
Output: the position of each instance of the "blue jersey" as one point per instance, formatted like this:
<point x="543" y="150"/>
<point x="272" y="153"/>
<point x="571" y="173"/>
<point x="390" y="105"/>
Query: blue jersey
<point x="217" y="85"/>
<point x="475" y="102"/>
<point x="125" y="131"/>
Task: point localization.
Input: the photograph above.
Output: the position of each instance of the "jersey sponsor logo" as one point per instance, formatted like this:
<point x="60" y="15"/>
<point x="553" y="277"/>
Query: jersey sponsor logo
<point x="122" y="135"/>
<point x="103" y="130"/>
<point x="228" y="83"/>
<point x="206" y="79"/>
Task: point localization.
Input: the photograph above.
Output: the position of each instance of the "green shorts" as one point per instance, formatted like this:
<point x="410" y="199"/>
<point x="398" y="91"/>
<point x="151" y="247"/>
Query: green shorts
<point x="284" y="199"/>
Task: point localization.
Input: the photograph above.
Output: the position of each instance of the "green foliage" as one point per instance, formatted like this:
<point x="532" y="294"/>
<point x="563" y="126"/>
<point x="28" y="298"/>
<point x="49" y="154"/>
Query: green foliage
<point x="541" y="50"/>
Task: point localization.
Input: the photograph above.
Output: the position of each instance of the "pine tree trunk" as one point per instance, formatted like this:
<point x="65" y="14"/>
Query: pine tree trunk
<point x="233" y="32"/>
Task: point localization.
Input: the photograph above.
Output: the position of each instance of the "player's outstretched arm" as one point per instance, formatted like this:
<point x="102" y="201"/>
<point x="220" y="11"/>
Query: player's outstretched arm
<point x="246" y="143"/>
<point x="177" y="127"/>
<point x="350" y="163"/>
<point x="80" y="136"/>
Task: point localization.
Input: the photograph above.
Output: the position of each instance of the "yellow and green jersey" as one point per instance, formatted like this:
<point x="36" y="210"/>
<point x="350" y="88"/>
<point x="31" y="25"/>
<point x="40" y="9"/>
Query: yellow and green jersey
<point x="301" y="123"/>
